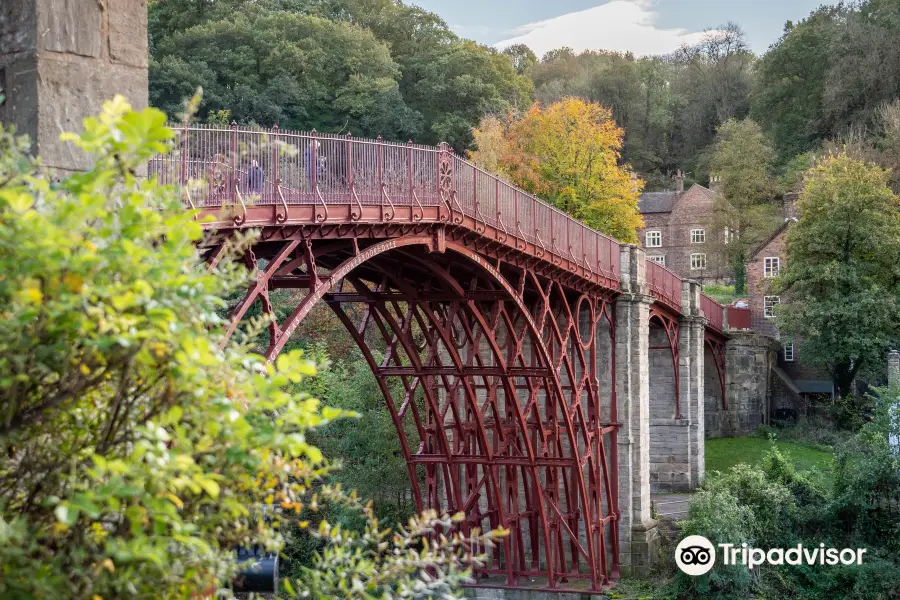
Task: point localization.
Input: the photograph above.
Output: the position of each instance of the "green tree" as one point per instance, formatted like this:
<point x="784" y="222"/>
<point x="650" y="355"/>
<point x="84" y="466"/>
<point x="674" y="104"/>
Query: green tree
<point x="371" y="460"/>
<point x="371" y="67"/>
<point x="791" y="80"/>
<point x="648" y="144"/>
<point x="864" y="65"/>
<point x="450" y="82"/>
<point x="742" y="160"/>
<point x="607" y="78"/>
<point x="138" y="449"/>
<point x="712" y="83"/>
<point x="839" y="287"/>
<point x="299" y="71"/>
<point x="522" y="57"/>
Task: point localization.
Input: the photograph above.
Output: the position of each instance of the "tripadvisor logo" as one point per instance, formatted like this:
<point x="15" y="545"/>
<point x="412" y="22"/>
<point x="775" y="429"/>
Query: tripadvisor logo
<point x="695" y="555"/>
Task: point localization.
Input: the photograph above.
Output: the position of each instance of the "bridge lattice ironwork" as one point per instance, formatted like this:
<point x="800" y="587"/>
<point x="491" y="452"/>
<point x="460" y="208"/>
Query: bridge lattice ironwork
<point x="486" y="315"/>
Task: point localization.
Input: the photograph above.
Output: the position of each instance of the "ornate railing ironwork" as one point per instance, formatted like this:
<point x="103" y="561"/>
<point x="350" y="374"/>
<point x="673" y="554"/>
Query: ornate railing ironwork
<point x="713" y="311"/>
<point x="219" y="165"/>
<point x="664" y="284"/>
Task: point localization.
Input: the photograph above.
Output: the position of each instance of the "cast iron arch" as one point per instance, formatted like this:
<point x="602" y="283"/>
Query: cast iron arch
<point x="512" y="430"/>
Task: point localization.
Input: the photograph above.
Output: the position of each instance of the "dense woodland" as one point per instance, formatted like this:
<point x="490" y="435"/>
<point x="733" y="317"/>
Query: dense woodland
<point x="380" y="67"/>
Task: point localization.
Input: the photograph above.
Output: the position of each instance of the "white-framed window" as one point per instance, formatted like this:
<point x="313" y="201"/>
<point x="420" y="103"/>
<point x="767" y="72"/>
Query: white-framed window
<point x="769" y="303"/>
<point x="771" y="266"/>
<point x="659" y="259"/>
<point x="729" y="235"/>
<point x="698" y="261"/>
<point x="653" y="239"/>
<point x="698" y="236"/>
<point x="788" y="352"/>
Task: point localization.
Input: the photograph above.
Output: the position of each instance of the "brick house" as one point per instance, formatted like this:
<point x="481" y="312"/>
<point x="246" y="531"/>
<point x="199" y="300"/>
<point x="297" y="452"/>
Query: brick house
<point x="677" y="232"/>
<point x="792" y="379"/>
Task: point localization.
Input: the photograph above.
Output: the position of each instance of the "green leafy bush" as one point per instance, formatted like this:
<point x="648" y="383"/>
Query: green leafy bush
<point x="851" y="412"/>
<point x="775" y="506"/>
<point x="814" y="430"/>
<point x="867" y="479"/>
<point x="137" y="449"/>
<point x="716" y="514"/>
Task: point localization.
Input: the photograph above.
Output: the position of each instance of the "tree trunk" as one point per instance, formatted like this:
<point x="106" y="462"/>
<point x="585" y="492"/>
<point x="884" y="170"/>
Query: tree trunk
<point x="842" y="375"/>
<point x="739" y="264"/>
<point x="740" y="278"/>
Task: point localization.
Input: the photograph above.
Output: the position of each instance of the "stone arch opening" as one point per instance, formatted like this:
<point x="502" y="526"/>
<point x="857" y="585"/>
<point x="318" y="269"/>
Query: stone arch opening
<point x="669" y="467"/>
<point x="715" y="407"/>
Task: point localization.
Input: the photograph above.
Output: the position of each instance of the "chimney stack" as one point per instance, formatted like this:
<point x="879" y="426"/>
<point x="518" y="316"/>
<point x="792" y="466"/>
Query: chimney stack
<point x="790" y="202"/>
<point x="715" y="184"/>
<point x="679" y="181"/>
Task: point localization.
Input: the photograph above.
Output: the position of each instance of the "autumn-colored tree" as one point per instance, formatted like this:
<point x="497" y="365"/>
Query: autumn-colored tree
<point x="489" y="138"/>
<point x="568" y="153"/>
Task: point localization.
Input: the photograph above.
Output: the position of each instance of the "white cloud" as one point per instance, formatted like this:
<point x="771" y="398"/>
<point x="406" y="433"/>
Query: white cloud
<point x="620" y="25"/>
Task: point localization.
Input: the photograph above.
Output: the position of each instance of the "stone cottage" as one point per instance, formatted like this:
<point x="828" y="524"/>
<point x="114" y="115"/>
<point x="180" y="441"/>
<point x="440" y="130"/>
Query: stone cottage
<point x="792" y="380"/>
<point x="677" y="232"/>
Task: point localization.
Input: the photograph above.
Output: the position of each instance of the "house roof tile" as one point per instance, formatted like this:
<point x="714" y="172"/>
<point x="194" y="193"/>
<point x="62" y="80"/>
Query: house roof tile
<point x="657" y="202"/>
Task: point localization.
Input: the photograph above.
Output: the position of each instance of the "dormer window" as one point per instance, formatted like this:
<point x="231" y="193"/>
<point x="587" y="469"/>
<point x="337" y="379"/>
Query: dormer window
<point x="771" y="266"/>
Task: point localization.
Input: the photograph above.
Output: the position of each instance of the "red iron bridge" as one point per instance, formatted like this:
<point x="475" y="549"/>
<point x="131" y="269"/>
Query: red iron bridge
<point x="523" y="356"/>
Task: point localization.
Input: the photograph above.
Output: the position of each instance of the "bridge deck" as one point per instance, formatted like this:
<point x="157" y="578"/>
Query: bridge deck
<point x="266" y="177"/>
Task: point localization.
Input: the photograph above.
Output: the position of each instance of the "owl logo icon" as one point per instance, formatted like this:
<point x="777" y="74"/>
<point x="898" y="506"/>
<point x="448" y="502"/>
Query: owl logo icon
<point x="695" y="555"/>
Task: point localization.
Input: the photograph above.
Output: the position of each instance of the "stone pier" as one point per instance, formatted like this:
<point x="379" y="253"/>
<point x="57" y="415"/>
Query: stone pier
<point x="749" y="358"/>
<point x="638" y="533"/>
<point x="59" y="61"/>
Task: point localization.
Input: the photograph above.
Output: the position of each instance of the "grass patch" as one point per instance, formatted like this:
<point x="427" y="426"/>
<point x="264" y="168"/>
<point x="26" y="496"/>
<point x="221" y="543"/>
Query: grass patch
<point x="724" y="453"/>
<point x="635" y="589"/>
<point x="723" y="294"/>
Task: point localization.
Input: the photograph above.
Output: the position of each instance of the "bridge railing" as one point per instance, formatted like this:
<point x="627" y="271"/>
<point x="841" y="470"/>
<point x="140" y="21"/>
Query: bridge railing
<point x="520" y="214"/>
<point x="219" y="165"/>
<point x="713" y="311"/>
<point x="664" y="284"/>
<point x="738" y="318"/>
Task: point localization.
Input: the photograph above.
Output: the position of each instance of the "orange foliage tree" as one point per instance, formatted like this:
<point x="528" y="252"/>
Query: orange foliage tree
<point x="569" y="154"/>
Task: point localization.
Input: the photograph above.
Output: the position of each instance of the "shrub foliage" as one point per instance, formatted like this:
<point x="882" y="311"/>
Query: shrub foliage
<point x="138" y="449"/>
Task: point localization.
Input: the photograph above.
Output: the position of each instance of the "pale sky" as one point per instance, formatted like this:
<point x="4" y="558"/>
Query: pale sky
<point x="640" y="26"/>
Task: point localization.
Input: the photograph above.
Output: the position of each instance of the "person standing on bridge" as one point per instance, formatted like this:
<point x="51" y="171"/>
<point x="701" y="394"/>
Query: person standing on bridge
<point x="256" y="177"/>
<point x="313" y="154"/>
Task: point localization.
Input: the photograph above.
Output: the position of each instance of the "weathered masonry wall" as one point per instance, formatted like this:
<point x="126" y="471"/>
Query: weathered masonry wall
<point x="669" y="456"/>
<point x="59" y="61"/>
<point x="748" y="363"/>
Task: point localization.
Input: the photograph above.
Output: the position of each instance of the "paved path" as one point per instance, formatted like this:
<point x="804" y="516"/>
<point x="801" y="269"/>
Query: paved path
<point x="671" y="506"/>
